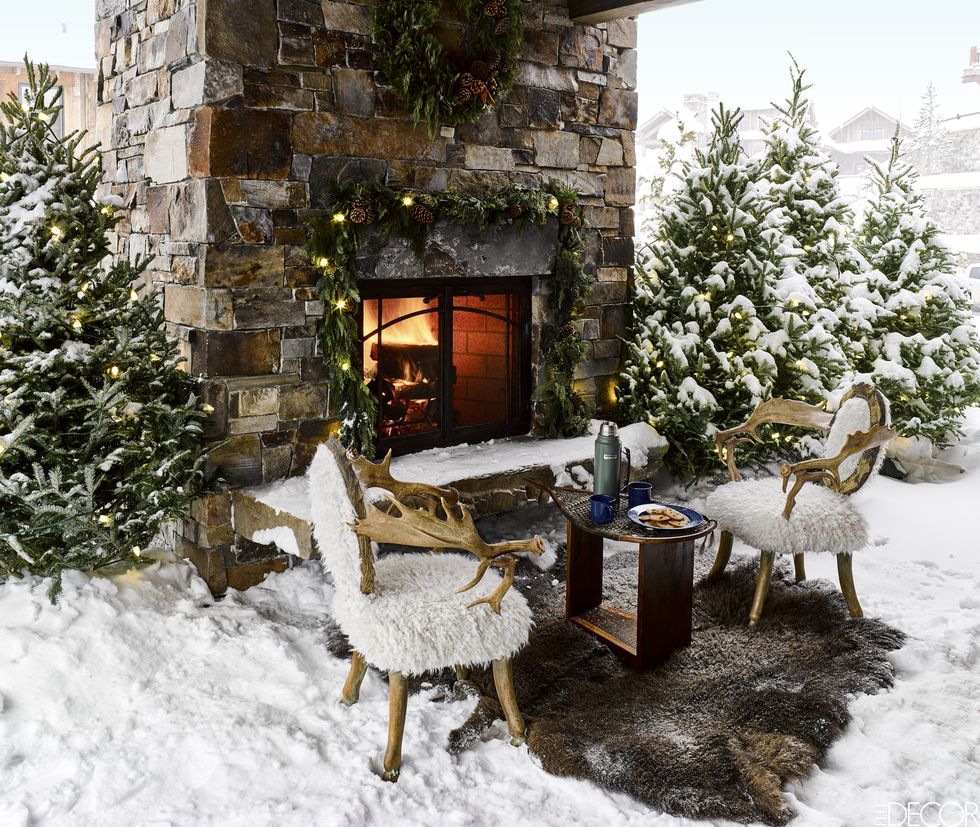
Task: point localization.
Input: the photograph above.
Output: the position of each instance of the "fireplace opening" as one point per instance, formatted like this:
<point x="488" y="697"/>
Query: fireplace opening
<point x="448" y="362"/>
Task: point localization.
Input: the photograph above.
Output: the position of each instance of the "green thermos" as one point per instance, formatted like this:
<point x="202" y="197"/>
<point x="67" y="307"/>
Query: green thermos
<point x="608" y="450"/>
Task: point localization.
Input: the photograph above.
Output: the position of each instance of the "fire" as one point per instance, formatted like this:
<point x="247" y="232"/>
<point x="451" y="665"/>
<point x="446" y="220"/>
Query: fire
<point x="418" y="330"/>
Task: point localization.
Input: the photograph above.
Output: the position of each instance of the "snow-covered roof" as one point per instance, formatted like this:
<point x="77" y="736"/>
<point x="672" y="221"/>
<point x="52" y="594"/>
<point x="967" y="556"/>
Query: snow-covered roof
<point x="863" y="147"/>
<point x="951" y="181"/>
<point x="865" y="111"/>
<point x="963" y="123"/>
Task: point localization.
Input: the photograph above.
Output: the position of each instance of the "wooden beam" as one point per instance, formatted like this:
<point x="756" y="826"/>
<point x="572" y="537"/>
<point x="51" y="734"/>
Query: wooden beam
<point x="602" y="11"/>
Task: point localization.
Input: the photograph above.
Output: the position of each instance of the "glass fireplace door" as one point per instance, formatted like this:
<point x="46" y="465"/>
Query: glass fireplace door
<point x="448" y="362"/>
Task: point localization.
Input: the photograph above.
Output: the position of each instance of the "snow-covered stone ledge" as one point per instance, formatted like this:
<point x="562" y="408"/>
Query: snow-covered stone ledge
<point x="492" y="477"/>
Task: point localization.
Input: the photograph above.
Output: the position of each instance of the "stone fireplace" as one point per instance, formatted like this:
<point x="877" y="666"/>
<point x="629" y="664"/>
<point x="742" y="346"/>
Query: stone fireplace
<point x="226" y="124"/>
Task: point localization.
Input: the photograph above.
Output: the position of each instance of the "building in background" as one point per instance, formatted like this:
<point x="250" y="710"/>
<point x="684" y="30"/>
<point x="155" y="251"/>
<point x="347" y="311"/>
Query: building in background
<point x="972" y="72"/>
<point x="79" y="96"/>
<point x="867" y="134"/>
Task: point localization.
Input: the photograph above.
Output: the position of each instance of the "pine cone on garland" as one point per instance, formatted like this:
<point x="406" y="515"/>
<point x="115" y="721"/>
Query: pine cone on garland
<point x="569" y="216"/>
<point x="361" y="212"/>
<point x="502" y="27"/>
<point x="464" y="88"/>
<point x="568" y="330"/>
<point x="422" y="214"/>
<point x="515" y="211"/>
<point x="480" y="70"/>
<point x="575" y="293"/>
<point x="494" y="59"/>
<point x="495" y="8"/>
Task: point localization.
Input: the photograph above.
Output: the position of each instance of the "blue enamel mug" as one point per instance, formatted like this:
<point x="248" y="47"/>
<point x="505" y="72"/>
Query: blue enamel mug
<point x="602" y="507"/>
<point x="640" y="493"/>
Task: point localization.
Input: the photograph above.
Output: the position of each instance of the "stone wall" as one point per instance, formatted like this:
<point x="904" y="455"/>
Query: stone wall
<point x="956" y="211"/>
<point x="227" y="122"/>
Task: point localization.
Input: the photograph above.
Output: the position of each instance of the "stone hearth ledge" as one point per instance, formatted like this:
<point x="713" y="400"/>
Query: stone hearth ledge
<point x="490" y="476"/>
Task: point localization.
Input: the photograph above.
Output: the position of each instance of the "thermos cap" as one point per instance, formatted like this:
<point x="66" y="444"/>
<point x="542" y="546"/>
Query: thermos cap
<point x="608" y="429"/>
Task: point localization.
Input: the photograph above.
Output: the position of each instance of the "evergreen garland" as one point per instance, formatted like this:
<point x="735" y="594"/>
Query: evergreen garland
<point x="333" y="242"/>
<point x="437" y="89"/>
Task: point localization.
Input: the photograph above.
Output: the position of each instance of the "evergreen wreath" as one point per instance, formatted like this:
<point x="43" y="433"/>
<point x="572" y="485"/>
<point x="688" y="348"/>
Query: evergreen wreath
<point x="333" y="240"/>
<point x="442" y="88"/>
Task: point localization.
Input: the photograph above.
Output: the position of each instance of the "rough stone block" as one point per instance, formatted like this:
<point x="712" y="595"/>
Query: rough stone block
<point x="308" y="12"/>
<point x="347" y="17"/>
<point x="243" y="265"/>
<point x="581" y="47"/>
<point x="241" y="31"/>
<point x="259" y="308"/>
<point x="557" y="149"/>
<point x="621" y="187"/>
<point x="236" y="353"/>
<point x="617" y="252"/>
<point x="488" y="157"/>
<point x="197" y="307"/>
<point x="254" y="402"/>
<point x="303" y="402"/>
<point x="197" y="212"/>
<point x="240" y="143"/>
<point x="610" y="153"/>
<point x="165" y="155"/>
<point x="237" y="460"/>
<point x="354" y="92"/>
<point x="618" y="108"/>
<point x="622" y="33"/>
<point x="325" y="133"/>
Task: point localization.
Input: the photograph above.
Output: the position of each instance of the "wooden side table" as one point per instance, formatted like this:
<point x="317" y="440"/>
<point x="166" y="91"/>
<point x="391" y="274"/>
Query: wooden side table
<point x="665" y="587"/>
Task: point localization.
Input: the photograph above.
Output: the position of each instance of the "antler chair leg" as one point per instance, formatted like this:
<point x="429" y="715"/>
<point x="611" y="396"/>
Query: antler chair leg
<point x="800" y="568"/>
<point x="846" y="575"/>
<point x="766" y="562"/>
<point x="352" y="688"/>
<point x="723" y="556"/>
<point x="397" y="706"/>
<point x="503" y="679"/>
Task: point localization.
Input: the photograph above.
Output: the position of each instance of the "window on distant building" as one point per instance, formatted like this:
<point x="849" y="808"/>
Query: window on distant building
<point x="59" y="126"/>
<point x="875" y="134"/>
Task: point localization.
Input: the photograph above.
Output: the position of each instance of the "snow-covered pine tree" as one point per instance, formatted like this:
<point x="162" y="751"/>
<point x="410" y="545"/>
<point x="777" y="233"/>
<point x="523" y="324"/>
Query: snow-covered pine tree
<point x="99" y="427"/>
<point x="930" y="146"/>
<point x="712" y="335"/>
<point x="924" y="352"/>
<point x="800" y="180"/>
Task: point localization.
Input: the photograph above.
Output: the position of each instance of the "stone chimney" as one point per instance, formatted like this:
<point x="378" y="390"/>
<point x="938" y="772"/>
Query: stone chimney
<point x="225" y="123"/>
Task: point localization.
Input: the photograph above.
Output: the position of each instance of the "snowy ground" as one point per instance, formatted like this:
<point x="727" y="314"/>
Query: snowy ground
<point x="140" y="701"/>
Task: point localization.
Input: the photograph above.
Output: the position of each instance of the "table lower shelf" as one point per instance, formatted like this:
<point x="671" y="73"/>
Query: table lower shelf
<point x="615" y="626"/>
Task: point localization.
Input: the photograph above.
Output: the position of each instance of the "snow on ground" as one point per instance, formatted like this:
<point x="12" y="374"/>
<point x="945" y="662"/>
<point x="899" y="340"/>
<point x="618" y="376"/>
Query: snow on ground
<point x="138" y="700"/>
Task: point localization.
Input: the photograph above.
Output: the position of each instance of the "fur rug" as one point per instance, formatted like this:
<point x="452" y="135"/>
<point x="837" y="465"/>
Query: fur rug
<point x="716" y="730"/>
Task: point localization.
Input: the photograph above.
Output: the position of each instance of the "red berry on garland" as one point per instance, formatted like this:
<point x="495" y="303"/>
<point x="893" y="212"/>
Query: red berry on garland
<point x="422" y="214"/>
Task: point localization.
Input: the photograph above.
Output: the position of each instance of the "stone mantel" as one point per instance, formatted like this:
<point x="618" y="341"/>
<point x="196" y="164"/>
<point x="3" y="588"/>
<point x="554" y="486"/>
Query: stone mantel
<point x="455" y="251"/>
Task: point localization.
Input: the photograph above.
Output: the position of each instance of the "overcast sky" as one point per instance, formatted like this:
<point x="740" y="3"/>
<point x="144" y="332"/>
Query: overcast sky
<point x="857" y="52"/>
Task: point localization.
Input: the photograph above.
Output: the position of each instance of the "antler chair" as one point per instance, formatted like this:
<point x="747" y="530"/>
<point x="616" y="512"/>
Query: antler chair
<point x="405" y="614"/>
<point x="810" y="518"/>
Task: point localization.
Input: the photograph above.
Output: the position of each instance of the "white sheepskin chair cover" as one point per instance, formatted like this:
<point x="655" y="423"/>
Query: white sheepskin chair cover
<point x="415" y="621"/>
<point x="822" y="520"/>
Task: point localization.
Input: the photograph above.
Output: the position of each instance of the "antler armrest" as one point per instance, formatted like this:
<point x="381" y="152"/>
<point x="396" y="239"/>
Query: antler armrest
<point x="441" y="525"/>
<point x="827" y="469"/>
<point x="378" y="475"/>
<point x="777" y="411"/>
